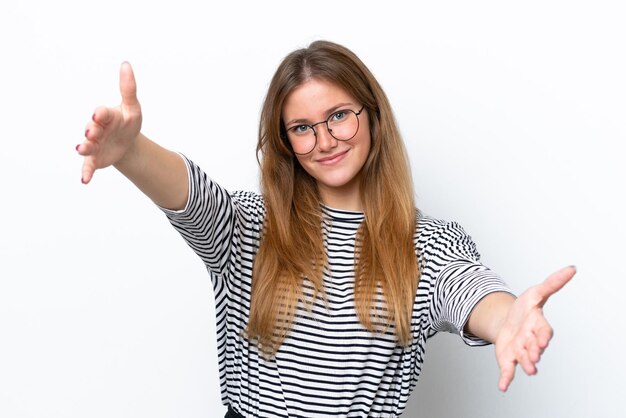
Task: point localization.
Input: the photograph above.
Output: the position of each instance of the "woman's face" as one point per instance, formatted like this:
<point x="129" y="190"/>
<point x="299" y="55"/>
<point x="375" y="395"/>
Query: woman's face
<point x="334" y="164"/>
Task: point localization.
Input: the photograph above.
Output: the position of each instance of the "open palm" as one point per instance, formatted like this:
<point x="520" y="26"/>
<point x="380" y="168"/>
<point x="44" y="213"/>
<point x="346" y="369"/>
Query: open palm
<point x="110" y="133"/>
<point x="526" y="333"/>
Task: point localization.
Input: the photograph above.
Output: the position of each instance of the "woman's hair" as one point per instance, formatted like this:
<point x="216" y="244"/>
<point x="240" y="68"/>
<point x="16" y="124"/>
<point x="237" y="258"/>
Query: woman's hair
<point x="292" y="250"/>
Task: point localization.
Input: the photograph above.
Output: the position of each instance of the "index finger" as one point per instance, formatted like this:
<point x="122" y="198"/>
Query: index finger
<point x="102" y="116"/>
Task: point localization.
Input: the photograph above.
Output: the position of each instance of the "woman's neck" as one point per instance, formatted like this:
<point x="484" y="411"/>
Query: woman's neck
<point x="341" y="198"/>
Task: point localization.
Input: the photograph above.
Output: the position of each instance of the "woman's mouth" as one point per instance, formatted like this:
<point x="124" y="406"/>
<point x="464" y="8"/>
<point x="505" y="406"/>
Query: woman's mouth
<point x="333" y="159"/>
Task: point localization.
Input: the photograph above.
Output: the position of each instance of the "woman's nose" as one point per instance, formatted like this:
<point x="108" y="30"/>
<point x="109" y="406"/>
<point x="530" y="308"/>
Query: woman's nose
<point x="325" y="141"/>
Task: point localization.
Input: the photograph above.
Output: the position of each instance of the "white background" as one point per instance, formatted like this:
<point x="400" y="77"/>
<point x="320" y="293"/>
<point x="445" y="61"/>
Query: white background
<point x="513" y="115"/>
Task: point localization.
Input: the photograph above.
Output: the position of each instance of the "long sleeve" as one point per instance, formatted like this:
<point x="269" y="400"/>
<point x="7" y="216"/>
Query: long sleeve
<point x="215" y="222"/>
<point x="461" y="281"/>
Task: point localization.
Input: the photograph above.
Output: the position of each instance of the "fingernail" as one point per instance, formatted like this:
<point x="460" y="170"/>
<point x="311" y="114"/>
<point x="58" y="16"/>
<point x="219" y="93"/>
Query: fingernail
<point x="82" y="180"/>
<point x="86" y="133"/>
<point x="93" y="117"/>
<point x="77" y="147"/>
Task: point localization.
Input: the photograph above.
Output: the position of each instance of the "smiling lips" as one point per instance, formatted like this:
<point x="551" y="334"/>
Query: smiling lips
<point x="332" y="159"/>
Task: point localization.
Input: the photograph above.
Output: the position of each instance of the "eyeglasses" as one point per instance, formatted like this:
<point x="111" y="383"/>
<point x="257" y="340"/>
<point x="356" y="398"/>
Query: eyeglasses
<point x="342" y="125"/>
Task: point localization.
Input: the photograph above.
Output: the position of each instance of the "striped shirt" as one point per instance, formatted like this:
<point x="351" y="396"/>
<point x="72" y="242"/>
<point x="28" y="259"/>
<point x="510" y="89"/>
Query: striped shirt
<point x="329" y="364"/>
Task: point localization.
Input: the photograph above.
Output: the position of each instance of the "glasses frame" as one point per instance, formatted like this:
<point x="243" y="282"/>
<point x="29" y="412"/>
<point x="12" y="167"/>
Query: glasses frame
<point x="330" y="131"/>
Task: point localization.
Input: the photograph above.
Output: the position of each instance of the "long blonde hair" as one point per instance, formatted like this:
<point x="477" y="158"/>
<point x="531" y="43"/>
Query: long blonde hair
<point x="292" y="246"/>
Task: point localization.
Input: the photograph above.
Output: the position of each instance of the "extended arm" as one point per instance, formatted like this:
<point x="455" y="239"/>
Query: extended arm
<point x="517" y="326"/>
<point x="113" y="137"/>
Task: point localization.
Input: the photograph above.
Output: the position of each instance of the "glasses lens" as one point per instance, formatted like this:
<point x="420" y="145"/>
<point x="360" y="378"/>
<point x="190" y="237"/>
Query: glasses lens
<point x="302" y="139"/>
<point x="343" y="125"/>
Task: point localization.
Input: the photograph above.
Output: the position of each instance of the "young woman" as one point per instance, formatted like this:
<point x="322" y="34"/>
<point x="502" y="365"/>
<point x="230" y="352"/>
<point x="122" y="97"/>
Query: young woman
<point x="329" y="283"/>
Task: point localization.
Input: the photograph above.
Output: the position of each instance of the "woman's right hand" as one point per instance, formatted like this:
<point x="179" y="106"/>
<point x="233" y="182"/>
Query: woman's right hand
<point x="112" y="131"/>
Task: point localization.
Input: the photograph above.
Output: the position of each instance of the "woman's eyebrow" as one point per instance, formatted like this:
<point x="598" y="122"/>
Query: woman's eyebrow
<point x="328" y="112"/>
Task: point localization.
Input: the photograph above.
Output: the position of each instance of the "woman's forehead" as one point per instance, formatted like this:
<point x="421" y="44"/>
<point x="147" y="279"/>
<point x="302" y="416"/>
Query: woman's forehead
<point x="313" y="98"/>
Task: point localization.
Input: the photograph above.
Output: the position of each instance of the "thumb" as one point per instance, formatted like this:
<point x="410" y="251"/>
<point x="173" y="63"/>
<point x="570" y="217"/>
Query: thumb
<point x="128" y="85"/>
<point x="555" y="282"/>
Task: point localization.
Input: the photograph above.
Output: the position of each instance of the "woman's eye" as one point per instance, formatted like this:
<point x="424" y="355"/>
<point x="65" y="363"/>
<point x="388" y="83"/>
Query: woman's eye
<point x="337" y="116"/>
<point x="301" y="129"/>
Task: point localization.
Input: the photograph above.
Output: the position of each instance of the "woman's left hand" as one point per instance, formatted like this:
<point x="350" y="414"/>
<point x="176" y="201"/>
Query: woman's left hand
<point x="525" y="332"/>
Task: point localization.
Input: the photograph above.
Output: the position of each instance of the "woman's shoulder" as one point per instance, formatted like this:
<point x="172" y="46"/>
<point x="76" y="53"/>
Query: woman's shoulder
<point x="429" y="228"/>
<point x="248" y="197"/>
<point x="434" y="235"/>
<point x="249" y="204"/>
